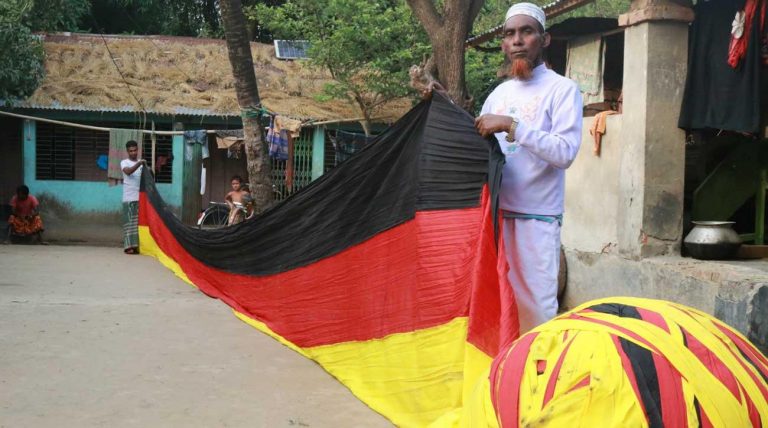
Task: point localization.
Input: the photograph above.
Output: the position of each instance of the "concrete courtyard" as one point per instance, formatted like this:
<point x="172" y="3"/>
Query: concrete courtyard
<point x="90" y="337"/>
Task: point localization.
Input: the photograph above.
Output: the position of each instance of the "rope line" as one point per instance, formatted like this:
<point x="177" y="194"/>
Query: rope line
<point x="127" y="85"/>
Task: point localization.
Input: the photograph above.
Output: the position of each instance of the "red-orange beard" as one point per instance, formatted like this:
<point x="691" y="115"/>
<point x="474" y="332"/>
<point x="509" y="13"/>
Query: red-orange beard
<point x="520" y="69"/>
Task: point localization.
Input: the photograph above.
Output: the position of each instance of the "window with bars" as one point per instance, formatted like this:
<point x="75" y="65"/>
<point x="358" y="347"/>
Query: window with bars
<point x="163" y="156"/>
<point x="302" y="168"/>
<point x="67" y="153"/>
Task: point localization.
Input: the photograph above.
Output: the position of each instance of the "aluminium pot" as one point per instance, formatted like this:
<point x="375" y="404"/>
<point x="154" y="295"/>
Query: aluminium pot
<point x="712" y="240"/>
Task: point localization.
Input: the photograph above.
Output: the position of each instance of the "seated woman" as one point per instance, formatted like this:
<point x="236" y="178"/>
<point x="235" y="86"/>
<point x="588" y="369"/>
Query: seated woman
<point x="25" y="219"/>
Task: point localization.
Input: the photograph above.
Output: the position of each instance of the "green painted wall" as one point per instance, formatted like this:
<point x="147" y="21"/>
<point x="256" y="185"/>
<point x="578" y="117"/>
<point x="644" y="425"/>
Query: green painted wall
<point x="93" y="196"/>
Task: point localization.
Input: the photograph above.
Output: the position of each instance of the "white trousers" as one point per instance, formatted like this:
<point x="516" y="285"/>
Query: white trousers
<point x="533" y="253"/>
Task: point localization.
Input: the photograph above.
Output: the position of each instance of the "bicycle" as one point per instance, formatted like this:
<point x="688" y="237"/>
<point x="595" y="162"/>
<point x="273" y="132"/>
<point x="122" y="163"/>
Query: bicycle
<point x="242" y="211"/>
<point x="214" y="217"/>
<point x="218" y="214"/>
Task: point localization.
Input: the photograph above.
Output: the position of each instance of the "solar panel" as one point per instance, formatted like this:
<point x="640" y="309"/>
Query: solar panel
<point x="291" y="49"/>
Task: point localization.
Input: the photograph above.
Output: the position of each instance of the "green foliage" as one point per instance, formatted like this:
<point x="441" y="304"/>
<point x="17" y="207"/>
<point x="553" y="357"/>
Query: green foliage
<point x="56" y="15"/>
<point x="44" y="15"/>
<point x="195" y="18"/>
<point x="367" y="47"/>
<point x="481" y="68"/>
<point x="21" y="61"/>
<point x="599" y="8"/>
<point x="13" y="11"/>
<point x="172" y="17"/>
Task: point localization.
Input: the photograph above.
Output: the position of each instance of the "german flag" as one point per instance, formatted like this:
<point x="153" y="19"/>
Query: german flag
<point x="626" y="362"/>
<point x="387" y="270"/>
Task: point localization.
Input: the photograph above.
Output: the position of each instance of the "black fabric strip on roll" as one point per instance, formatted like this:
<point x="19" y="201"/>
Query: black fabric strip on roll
<point x="765" y="378"/>
<point x="642" y="364"/>
<point x="430" y="159"/>
<point x="647" y="380"/>
<point x="696" y="404"/>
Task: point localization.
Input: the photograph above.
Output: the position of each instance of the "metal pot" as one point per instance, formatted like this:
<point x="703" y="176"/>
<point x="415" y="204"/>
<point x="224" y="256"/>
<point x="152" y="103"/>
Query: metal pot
<point x="712" y="240"/>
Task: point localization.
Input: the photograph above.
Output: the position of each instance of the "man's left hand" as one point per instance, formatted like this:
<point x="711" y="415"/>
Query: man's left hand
<point x="489" y="124"/>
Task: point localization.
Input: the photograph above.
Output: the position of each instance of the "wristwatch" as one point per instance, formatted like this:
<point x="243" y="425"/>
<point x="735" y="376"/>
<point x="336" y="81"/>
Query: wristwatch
<point x="512" y="128"/>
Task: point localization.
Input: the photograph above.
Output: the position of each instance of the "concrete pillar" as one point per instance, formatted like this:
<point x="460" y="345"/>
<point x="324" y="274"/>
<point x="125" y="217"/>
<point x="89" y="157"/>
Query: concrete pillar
<point x="650" y="208"/>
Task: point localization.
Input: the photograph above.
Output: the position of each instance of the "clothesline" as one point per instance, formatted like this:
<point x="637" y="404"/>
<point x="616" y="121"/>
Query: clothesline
<point x="94" y="128"/>
<point x="149" y="131"/>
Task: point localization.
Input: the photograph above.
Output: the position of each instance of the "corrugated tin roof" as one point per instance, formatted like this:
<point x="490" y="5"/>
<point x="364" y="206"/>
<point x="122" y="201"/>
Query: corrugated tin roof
<point x="120" y="109"/>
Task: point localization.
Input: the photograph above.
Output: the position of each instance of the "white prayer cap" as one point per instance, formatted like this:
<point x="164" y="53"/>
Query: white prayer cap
<point x="529" y="9"/>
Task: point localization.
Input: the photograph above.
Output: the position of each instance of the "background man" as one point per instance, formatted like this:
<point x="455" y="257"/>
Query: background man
<point x="132" y="168"/>
<point x="536" y="116"/>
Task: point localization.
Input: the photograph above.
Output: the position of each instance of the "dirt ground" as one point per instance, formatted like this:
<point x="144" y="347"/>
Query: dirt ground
<point x="90" y="337"/>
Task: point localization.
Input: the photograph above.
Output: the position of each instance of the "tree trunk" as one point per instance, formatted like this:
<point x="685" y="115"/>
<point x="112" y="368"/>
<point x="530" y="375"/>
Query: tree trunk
<point x="247" y="90"/>
<point x="366" y="122"/>
<point x="447" y="32"/>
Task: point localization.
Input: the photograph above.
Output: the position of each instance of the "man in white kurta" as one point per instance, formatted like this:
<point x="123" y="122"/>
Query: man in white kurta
<point x="536" y="116"/>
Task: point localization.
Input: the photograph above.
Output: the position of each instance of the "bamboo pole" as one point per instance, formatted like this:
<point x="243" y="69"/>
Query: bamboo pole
<point x="154" y="145"/>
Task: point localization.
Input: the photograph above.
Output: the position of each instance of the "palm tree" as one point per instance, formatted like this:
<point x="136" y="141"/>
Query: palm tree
<point x="247" y="90"/>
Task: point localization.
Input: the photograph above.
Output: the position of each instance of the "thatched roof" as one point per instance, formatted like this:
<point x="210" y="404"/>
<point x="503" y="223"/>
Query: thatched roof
<point x="178" y="75"/>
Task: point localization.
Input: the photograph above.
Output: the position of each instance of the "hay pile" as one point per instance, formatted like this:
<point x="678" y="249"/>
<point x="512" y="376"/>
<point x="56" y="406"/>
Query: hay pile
<point x="171" y="73"/>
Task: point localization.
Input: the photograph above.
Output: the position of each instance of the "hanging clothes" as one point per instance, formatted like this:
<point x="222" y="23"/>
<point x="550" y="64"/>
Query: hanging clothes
<point x="203" y="180"/>
<point x="585" y="66"/>
<point x="277" y="139"/>
<point x="192" y="137"/>
<point x="231" y="140"/>
<point x="291" y="128"/>
<point x="226" y="138"/>
<point x="282" y="132"/>
<point x="117" y="152"/>
<point x="753" y="15"/>
<point x="598" y="129"/>
<point x="160" y="162"/>
<point x="102" y="161"/>
<point x="718" y="96"/>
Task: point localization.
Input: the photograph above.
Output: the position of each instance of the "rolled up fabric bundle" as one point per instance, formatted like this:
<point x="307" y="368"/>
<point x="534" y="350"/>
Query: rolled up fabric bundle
<point x="622" y="362"/>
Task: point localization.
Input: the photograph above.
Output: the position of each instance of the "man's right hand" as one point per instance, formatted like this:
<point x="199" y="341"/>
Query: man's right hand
<point x="489" y="124"/>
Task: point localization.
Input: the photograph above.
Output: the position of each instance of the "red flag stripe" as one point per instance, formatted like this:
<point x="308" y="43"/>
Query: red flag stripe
<point x="434" y="251"/>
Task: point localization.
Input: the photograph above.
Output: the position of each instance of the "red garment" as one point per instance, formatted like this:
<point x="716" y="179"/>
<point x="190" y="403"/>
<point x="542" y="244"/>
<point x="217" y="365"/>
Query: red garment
<point x="24" y="208"/>
<point x="26" y="225"/>
<point x="738" y="47"/>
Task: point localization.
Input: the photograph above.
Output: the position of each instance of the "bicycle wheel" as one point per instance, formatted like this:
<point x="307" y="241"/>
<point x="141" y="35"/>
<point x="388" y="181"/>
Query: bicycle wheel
<point x="214" y="217"/>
